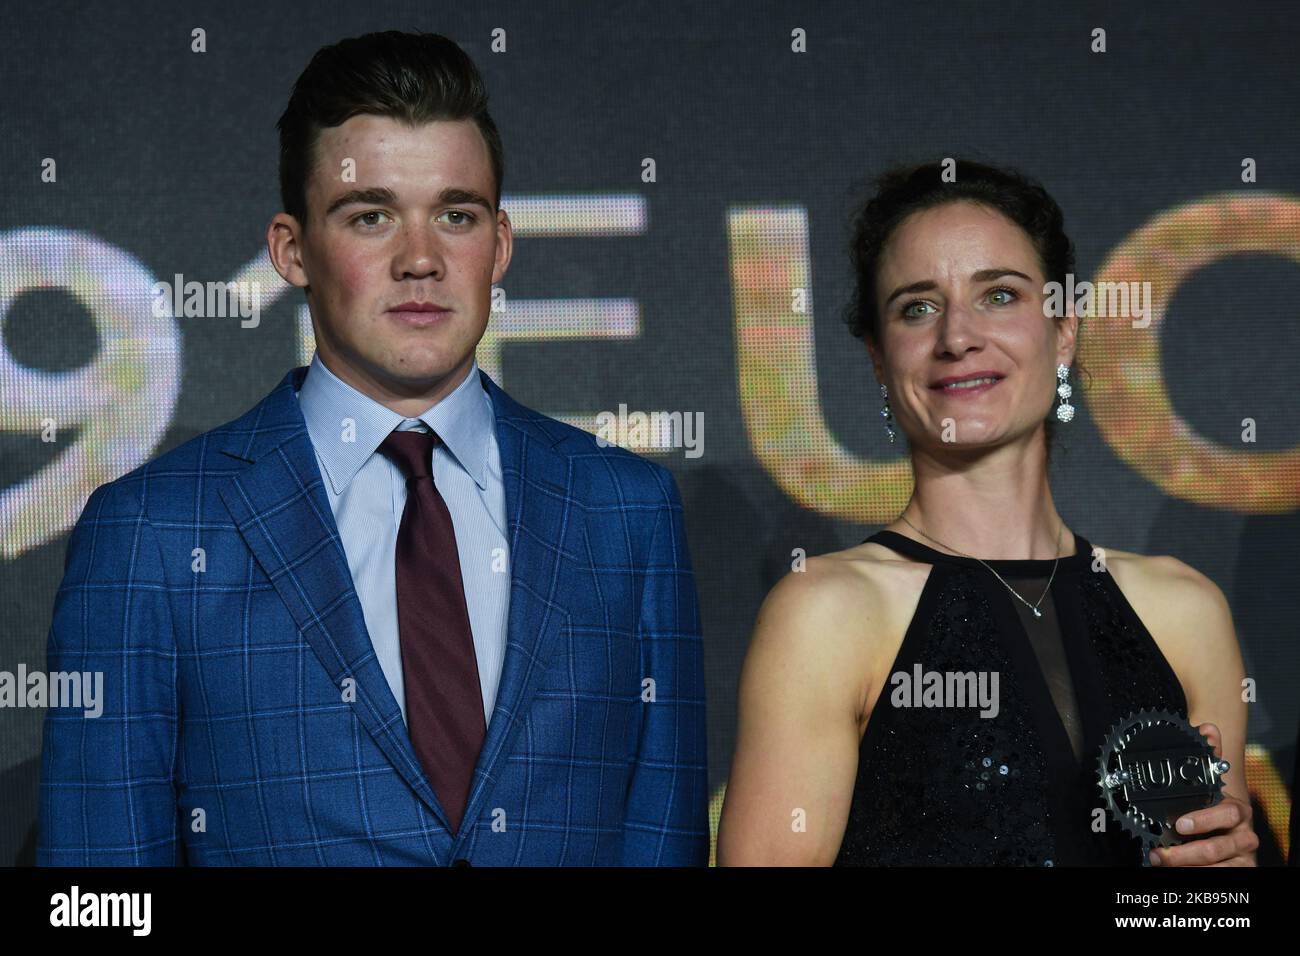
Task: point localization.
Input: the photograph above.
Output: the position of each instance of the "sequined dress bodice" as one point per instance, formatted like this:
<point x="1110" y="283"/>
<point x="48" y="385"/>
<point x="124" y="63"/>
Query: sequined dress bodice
<point x="943" y="785"/>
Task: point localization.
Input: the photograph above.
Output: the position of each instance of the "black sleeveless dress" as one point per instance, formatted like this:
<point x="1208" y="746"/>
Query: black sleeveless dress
<point x="945" y="786"/>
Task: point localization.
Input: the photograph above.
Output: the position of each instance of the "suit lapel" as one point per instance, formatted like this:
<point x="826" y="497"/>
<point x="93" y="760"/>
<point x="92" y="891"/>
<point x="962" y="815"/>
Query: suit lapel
<point x="539" y="501"/>
<point x="281" y="509"/>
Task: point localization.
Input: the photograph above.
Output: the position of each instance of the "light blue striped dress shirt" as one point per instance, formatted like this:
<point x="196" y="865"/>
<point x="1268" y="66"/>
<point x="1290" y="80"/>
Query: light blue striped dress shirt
<point x="367" y="493"/>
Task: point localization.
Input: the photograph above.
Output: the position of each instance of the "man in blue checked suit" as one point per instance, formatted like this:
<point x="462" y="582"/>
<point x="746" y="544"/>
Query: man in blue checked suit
<point x="389" y="615"/>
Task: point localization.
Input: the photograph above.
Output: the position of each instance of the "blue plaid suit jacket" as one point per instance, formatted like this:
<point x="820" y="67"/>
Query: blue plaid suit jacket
<point x="246" y="719"/>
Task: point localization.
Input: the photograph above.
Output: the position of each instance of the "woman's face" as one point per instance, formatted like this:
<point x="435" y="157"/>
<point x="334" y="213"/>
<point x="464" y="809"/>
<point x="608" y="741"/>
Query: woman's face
<point x="960" y="295"/>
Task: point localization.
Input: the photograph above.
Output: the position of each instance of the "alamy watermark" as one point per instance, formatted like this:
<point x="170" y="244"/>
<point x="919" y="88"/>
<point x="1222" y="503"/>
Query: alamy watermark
<point x="651" y="430"/>
<point x="82" y="690"/>
<point x="75" y="908"/>
<point x="922" y="688"/>
<point x="208" y="300"/>
<point x="1103" y="299"/>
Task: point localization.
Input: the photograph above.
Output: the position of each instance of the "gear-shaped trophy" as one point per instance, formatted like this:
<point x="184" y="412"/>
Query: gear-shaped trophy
<point x="1155" y="766"/>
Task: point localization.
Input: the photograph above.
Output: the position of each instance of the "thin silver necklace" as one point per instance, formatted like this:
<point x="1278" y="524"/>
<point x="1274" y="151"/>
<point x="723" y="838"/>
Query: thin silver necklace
<point x="1032" y="607"/>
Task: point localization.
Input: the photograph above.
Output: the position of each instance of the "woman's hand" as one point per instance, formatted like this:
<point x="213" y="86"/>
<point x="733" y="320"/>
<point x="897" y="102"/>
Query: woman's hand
<point x="1234" y="841"/>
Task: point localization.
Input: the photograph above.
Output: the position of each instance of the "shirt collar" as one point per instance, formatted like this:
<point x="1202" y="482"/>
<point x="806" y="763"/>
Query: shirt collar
<point x="463" y="420"/>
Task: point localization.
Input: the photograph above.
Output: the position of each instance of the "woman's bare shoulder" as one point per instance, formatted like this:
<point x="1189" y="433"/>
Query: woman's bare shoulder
<point x="831" y="585"/>
<point x="836" y="604"/>
<point x="843" y="612"/>
<point x="865" y="576"/>
<point x="1181" y="607"/>
<point x="876" y="563"/>
<point x="1155" y="578"/>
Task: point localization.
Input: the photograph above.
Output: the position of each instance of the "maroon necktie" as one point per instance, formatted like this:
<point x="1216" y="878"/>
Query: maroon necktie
<point x="444" y="702"/>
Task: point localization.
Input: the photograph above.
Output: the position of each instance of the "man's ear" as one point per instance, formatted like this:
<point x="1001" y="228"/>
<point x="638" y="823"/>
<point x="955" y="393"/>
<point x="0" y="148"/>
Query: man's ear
<point x="284" y="245"/>
<point x="505" y="246"/>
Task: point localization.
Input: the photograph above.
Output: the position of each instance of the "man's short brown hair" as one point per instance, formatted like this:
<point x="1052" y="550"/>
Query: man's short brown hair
<point x="413" y="77"/>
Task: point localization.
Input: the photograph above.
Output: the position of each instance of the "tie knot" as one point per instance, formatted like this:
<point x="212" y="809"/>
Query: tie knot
<point x="411" y="451"/>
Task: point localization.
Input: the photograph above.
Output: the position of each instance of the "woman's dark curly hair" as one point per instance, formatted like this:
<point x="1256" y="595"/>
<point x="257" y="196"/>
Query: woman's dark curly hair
<point x="902" y="191"/>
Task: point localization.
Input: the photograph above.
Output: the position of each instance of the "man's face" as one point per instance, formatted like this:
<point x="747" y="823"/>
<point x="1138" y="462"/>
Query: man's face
<point x="416" y="226"/>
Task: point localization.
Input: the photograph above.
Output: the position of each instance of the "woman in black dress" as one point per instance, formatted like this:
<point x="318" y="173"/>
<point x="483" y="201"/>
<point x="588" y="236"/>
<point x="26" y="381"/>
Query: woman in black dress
<point x="840" y="756"/>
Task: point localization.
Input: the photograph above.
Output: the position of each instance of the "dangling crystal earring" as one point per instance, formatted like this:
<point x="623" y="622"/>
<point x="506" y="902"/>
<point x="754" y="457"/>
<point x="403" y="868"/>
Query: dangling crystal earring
<point x="886" y="414"/>
<point x="1064" y="411"/>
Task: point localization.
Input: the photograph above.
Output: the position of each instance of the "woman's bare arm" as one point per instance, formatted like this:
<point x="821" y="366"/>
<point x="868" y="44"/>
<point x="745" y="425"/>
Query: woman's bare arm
<point x="1207" y="658"/>
<point x="801" y="693"/>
